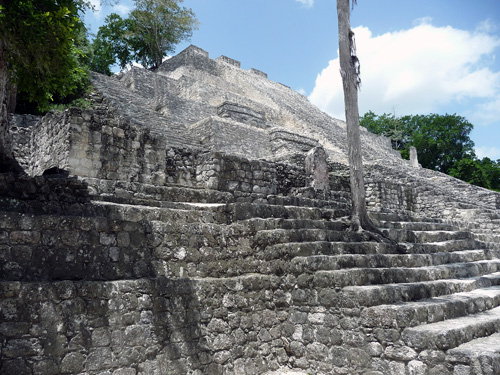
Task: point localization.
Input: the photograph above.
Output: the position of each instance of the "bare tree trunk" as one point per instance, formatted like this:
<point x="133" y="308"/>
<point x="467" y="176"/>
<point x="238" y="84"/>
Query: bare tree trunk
<point x="349" y="69"/>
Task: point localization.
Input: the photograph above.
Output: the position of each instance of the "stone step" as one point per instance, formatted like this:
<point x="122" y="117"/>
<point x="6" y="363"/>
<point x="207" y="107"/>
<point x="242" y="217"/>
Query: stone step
<point x="338" y="200"/>
<point x="451" y="333"/>
<point x="482" y="355"/>
<point x="416" y="225"/>
<point x="427" y="236"/>
<point x="289" y="250"/>
<point x="487" y="237"/>
<point x="374" y="276"/>
<point x="259" y="224"/>
<point x="442" y="246"/>
<point x="265" y="238"/>
<point x="379" y="216"/>
<point x="178" y="212"/>
<point x="147" y="194"/>
<point x="223" y="263"/>
<point x="244" y="211"/>
<point x="431" y="310"/>
<point x="385" y="294"/>
<point x="139" y="111"/>
<point x="309" y="264"/>
<point x="493" y="246"/>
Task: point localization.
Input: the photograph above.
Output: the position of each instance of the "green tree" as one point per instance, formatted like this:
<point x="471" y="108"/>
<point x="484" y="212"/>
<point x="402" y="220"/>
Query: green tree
<point x="441" y="140"/>
<point x="471" y="171"/>
<point x="159" y="26"/>
<point x="492" y="171"/>
<point x="112" y="44"/>
<point x="39" y="46"/>
<point x="387" y="125"/>
<point x="38" y="56"/>
<point x="146" y="37"/>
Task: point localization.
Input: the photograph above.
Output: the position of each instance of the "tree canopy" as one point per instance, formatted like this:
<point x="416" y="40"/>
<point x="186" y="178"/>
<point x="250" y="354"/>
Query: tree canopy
<point x="40" y="58"/>
<point x="45" y="53"/>
<point x="442" y="141"/>
<point x="151" y="31"/>
<point x="112" y="45"/>
<point x="484" y="172"/>
<point x="40" y="49"/>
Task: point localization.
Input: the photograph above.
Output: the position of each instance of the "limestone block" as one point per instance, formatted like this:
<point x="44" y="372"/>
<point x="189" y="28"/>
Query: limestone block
<point x="223" y="342"/>
<point x="125" y="371"/>
<point x="374" y="349"/>
<point x="101" y="337"/>
<point x="416" y="368"/>
<point x="316" y="318"/>
<point x="73" y="363"/>
<point x="462" y="370"/>
<point x="413" y="157"/>
<point x="317" y="169"/>
<point x="222" y="356"/>
<point x="400" y="353"/>
<point x="297" y="349"/>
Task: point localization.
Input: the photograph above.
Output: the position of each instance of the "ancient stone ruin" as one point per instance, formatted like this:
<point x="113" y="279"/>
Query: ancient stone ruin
<point x="173" y="229"/>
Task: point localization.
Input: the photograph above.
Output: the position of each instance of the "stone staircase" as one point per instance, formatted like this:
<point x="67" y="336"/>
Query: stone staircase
<point x="437" y="292"/>
<point x="442" y="298"/>
<point x="138" y="110"/>
<point x="315" y="296"/>
<point x="434" y="294"/>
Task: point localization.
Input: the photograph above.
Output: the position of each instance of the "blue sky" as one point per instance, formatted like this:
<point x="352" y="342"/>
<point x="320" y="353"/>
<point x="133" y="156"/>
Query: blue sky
<point x="417" y="57"/>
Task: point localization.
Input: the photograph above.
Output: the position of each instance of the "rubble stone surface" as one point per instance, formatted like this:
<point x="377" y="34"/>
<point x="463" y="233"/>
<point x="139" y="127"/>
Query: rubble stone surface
<point x="177" y="228"/>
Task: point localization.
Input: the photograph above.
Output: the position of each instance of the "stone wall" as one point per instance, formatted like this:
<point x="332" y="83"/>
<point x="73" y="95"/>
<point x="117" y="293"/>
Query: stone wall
<point x="49" y="143"/>
<point x="20" y="128"/>
<point x="97" y="147"/>
<point x="115" y="296"/>
<point x="140" y="327"/>
<point x="94" y="144"/>
<point x="95" y="287"/>
<point x="388" y="195"/>
<point x="426" y="192"/>
<point x="234" y="138"/>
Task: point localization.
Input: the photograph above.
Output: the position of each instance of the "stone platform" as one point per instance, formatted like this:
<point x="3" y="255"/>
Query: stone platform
<point x="173" y="229"/>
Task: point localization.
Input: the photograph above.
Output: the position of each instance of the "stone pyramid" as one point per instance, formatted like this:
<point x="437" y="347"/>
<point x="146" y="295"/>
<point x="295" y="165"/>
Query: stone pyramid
<point x="176" y="228"/>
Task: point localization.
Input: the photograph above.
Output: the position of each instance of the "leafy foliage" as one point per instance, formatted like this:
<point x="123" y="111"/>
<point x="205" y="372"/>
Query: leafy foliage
<point x="387" y="125"/>
<point x="492" y="170"/>
<point x="441" y="140"/>
<point x="152" y="30"/>
<point x="40" y="45"/>
<point x="471" y="171"/>
<point x="111" y="44"/>
<point x="442" y="143"/>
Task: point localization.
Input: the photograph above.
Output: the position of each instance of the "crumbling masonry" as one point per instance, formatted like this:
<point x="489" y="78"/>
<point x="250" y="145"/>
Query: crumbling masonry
<point x="173" y="229"/>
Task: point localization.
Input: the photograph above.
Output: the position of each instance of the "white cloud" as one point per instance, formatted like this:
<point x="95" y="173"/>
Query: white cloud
<point x="306" y="3"/>
<point x="491" y="152"/>
<point x="419" y="70"/>
<point x="486" y="113"/>
<point x="122" y="9"/>
<point x="487" y="26"/>
<point x="422" y="21"/>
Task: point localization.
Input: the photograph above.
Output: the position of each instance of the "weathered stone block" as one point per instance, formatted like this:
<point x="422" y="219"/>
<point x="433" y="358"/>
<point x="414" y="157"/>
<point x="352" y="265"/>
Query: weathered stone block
<point x="73" y="363"/>
<point x="400" y="353"/>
